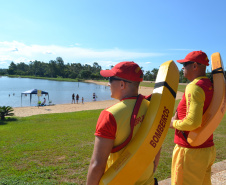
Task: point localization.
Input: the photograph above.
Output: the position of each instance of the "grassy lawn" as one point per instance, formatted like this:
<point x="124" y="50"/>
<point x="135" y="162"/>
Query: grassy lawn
<point x="56" y="148"/>
<point x="47" y="149"/>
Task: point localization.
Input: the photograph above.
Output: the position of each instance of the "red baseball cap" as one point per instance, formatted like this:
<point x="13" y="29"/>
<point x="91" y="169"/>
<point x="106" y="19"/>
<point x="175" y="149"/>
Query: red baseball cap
<point x="196" y="56"/>
<point x="126" y="70"/>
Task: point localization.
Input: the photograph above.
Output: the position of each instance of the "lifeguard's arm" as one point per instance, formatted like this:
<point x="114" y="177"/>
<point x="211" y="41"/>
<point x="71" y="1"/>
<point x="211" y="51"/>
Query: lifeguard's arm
<point x="175" y="117"/>
<point x="195" y="98"/>
<point x="102" y="149"/>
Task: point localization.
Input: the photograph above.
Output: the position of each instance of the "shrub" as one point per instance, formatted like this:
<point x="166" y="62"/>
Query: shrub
<point x="6" y="111"/>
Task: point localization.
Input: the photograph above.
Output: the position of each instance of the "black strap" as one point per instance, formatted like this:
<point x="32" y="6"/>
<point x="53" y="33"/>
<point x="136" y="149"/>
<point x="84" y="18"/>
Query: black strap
<point x="185" y="137"/>
<point x="156" y="181"/>
<point x="218" y="70"/>
<point x="160" y="84"/>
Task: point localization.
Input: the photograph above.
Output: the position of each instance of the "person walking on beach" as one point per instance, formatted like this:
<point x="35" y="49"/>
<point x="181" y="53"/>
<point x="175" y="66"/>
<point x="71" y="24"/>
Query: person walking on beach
<point x="82" y="100"/>
<point x="73" y="98"/>
<point x="77" y="98"/>
<point x="192" y="165"/>
<point x="124" y="82"/>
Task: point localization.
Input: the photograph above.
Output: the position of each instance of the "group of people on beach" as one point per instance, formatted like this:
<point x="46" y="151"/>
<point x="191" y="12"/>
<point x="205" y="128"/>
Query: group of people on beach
<point x="77" y="98"/>
<point x="190" y="165"/>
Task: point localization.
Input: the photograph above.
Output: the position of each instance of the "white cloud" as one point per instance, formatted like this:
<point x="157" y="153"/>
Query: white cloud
<point x="19" y="52"/>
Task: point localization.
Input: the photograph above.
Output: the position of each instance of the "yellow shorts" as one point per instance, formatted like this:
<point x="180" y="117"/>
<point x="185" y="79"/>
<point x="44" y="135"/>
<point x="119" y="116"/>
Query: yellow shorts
<point x="192" y="166"/>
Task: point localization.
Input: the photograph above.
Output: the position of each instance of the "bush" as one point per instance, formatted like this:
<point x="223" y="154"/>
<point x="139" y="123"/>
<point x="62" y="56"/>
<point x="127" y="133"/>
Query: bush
<point x="6" y="111"/>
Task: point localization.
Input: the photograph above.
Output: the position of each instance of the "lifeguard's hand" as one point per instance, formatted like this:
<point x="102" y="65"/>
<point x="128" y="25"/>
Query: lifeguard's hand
<point x="175" y="117"/>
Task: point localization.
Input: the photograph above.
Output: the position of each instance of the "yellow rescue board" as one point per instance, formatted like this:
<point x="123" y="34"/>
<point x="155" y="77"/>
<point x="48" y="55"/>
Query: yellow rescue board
<point x="216" y="110"/>
<point x="142" y="149"/>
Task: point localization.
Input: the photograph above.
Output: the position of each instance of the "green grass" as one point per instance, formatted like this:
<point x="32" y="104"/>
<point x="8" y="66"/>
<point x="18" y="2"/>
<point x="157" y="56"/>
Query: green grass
<point x="181" y="88"/>
<point x="47" y="149"/>
<point x="56" y="148"/>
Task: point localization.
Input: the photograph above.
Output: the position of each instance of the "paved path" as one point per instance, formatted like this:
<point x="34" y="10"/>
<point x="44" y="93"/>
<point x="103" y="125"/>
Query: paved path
<point x="218" y="174"/>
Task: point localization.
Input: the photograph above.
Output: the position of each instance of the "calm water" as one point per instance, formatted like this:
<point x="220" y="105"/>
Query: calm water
<point x="59" y="92"/>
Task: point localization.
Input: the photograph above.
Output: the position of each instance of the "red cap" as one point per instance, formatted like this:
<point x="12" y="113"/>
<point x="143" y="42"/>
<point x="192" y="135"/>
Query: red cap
<point x="126" y="70"/>
<point x="196" y="56"/>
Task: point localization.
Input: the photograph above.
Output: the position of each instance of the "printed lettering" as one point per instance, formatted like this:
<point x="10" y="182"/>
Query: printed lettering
<point x="158" y="133"/>
<point x="153" y="143"/>
<point x="155" y="139"/>
<point x="139" y="120"/>
<point x="160" y="128"/>
<point x="162" y="123"/>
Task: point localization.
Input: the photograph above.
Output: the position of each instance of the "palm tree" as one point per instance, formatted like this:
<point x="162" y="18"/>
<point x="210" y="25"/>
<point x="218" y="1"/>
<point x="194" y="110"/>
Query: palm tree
<point x="6" y="111"/>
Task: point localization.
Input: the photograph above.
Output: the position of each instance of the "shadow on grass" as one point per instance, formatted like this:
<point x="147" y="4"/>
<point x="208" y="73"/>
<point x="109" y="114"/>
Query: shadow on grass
<point x="6" y="120"/>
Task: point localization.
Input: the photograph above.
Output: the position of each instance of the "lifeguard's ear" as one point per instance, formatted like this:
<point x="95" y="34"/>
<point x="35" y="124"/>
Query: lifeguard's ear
<point x="122" y="84"/>
<point x="195" y="65"/>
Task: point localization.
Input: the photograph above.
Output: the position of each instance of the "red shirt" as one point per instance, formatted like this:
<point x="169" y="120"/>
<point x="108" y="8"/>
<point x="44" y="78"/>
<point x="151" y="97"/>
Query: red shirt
<point x="200" y="89"/>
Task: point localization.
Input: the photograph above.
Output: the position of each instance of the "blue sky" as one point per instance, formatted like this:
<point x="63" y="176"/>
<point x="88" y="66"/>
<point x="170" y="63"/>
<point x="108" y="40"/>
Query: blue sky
<point x="148" y="32"/>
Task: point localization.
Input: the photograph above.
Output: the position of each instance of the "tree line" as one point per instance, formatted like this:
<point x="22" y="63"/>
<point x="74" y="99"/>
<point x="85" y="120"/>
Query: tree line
<point x="57" y="69"/>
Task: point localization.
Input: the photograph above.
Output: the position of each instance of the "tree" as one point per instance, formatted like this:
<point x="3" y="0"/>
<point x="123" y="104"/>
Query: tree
<point x="96" y="68"/>
<point x="85" y="74"/>
<point x="209" y="75"/>
<point x="148" y="76"/>
<point x="154" y="73"/>
<point x="12" y="69"/>
<point x="53" y="68"/>
<point x="60" y="67"/>
<point x="22" y="69"/>
<point x="3" y="71"/>
<point x="6" y="111"/>
<point x="182" y="79"/>
<point x="36" y="68"/>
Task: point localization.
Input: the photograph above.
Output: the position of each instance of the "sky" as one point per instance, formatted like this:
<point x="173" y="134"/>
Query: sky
<point x="148" y="32"/>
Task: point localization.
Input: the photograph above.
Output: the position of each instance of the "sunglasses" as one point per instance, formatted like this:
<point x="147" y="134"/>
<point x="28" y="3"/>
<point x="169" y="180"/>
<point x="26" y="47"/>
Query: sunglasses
<point x="111" y="79"/>
<point x="187" y="63"/>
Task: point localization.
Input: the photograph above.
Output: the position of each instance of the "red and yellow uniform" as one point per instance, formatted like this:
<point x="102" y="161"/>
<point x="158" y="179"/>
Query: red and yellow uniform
<point x="114" y="123"/>
<point x="192" y="165"/>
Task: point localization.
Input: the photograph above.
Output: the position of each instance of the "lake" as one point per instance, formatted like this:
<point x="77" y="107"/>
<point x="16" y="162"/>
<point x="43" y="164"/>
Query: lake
<point x="60" y="92"/>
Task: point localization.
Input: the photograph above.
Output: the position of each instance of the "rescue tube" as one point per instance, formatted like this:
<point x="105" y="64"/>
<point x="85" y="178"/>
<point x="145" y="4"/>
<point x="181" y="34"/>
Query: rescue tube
<point x="142" y="149"/>
<point x="216" y="110"/>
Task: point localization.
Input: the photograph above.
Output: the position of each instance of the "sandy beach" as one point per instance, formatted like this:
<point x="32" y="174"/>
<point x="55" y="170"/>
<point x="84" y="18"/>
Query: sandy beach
<point x="60" y="108"/>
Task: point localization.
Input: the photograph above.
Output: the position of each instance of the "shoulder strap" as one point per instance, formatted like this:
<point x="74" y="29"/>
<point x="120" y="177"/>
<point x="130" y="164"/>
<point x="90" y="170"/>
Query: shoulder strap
<point x="132" y="122"/>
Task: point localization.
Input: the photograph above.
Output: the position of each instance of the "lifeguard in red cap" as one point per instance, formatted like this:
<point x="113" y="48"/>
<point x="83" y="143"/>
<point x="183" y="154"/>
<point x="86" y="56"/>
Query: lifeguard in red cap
<point x="113" y="129"/>
<point x="192" y="165"/>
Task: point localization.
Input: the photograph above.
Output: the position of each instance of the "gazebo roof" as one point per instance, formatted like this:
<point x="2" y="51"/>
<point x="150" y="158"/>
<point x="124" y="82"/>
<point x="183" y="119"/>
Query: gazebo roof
<point x="34" y="91"/>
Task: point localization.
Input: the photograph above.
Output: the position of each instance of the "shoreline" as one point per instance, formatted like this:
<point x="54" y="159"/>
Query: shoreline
<point x="62" y="108"/>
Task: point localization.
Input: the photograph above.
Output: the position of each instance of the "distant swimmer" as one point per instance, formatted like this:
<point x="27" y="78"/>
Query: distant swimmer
<point x="94" y="97"/>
